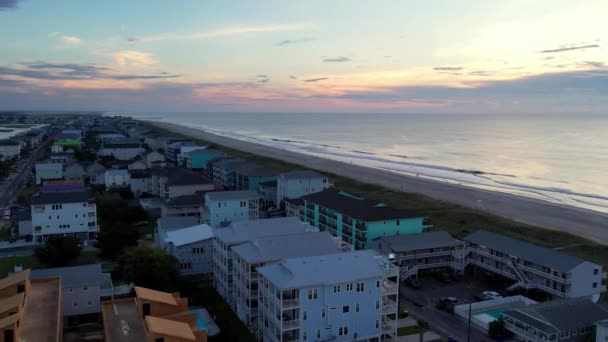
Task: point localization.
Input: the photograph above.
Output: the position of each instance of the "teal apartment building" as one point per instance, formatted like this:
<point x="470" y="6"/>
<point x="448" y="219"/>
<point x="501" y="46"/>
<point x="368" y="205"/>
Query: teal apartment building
<point x="356" y="220"/>
<point x="199" y="158"/>
<point x="249" y="176"/>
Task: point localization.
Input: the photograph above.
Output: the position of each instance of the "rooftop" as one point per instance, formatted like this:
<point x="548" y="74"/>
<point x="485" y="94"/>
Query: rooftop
<point x="126" y="145"/>
<point x="411" y="242"/>
<point x="255" y="170"/>
<point x="185" y="177"/>
<point x="176" y="222"/>
<point x="243" y="231"/>
<point x="49" y="166"/>
<point x="155" y="296"/>
<point x="327" y="269"/>
<point x="228" y="161"/>
<point x="15" y="278"/>
<point x="186" y="200"/>
<point x="302" y="174"/>
<point x="560" y="315"/>
<point x="7" y="142"/>
<point x="114" y="172"/>
<point x="42" y="312"/>
<point x="294" y="201"/>
<point x="358" y="207"/>
<point x="60" y="197"/>
<point x="202" y="151"/>
<point x="539" y="255"/>
<point x="273" y="248"/>
<point x="232" y="195"/>
<point x="167" y="327"/>
<point x="122" y="321"/>
<point x="185" y="236"/>
<point x="74" y="275"/>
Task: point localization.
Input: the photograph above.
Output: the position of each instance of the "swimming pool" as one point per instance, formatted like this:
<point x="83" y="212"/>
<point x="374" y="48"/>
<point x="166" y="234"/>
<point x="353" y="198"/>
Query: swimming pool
<point x="200" y="322"/>
<point x="496" y="313"/>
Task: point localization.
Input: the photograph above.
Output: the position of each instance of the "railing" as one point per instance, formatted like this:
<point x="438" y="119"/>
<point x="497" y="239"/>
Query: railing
<point x="292" y="324"/>
<point x="389" y="307"/>
<point x="545" y="274"/>
<point x="390" y="287"/>
<point x="425" y="255"/>
<point x="407" y="272"/>
<point x="290" y="303"/>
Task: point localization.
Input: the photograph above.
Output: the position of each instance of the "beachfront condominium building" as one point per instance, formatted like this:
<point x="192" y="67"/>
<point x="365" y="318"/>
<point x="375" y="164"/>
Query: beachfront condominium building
<point x="31" y="308"/>
<point x="296" y="184"/>
<point x="356" y="220"/>
<point x="533" y="267"/>
<point x="193" y="249"/>
<point x="223" y="171"/>
<point x="183" y="152"/>
<point x="173" y="149"/>
<point x="198" y="159"/>
<point x="249" y="176"/>
<point x="223" y="207"/>
<point x="46" y="171"/>
<point x="265" y="251"/>
<point x="152" y="316"/>
<point x="350" y="296"/>
<point x="560" y="320"/>
<point x="82" y="287"/>
<point x="242" y="232"/>
<point x="187" y="205"/>
<point x="415" y="252"/>
<point x="294" y="207"/>
<point x="68" y="213"/>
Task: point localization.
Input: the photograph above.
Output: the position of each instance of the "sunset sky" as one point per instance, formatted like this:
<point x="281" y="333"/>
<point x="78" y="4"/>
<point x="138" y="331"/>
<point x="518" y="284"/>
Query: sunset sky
<point x="305" y="56"/>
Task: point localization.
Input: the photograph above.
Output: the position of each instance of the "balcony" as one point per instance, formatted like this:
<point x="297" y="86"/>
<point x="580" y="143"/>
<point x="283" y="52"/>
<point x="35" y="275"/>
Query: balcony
<point x="291" y="324"/>
<point x="290" y="303"/>
<point x="424" y="255"/>
<point x="389" y="307"/>
<point x="389" y="288"/>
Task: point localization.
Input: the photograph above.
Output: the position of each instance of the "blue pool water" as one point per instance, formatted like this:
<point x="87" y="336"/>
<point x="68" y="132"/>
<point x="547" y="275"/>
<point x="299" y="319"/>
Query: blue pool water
<point x="494" y="313"/>
<point x="200" y="323"/>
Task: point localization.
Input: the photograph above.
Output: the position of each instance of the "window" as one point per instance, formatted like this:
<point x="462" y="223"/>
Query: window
<point x="345" y="309"/>
<point x="377" y="324"/>
<point x="343" y="331"/>
<point x="304" y="336"/>
<point x="377" y="304"/>
<point x="323" y="313"/>
<point x="313" y="294"/>
<point x="596" y="271"/>
<point x="349" y="287"/>
<point x="397" y="222"/>
<point x="89" y="302"/>
<point x="595" y="284"/>
<point x="84" y="288"/>
<point x="75" y="304"/>
<point x="337" y="288"/>
<point x="360" y="287"/>
<point x="377" y="283"/>
<point x="304" y="315"/>
<point x="357" y="307"/>
<point x="318" y="334"/>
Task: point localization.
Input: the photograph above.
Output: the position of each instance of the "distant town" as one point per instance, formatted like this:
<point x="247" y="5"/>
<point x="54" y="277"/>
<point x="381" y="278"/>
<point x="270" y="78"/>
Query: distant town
<point x="117" y="230"/>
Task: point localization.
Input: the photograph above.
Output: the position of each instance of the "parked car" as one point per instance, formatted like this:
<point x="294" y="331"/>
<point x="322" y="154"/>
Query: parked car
<point x="491" y="295"/>
<point x="447" y="303"/>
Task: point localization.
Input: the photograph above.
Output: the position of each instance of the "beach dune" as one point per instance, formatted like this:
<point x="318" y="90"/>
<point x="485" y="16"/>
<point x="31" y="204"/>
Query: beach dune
<point x="581" y="222"/>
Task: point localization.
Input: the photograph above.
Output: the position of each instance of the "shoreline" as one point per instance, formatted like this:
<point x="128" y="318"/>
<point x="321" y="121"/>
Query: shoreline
<point x="580" y="222"/>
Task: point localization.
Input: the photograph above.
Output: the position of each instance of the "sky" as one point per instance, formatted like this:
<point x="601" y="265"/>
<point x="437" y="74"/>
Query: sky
<point x="473" y="56"/>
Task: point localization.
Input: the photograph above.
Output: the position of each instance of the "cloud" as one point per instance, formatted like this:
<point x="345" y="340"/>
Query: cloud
<point x="294" y="41"/>
<point x="336" y="60"/>
<point x="448" y="68"/>
<point x="132" y="58"/>
<point x="132" y="39"/>
<point x="262" y="78"/>
<point x="481" y="73"/>
<point x="53" y="34"/>
<point x="594" y="64"/>
<point x="570" y="48"/>
<point x="70" y="71"/>
<point x="4" y="4"/>
<point x="70" y="40"/>
<point x="316" y="79"/>
<point x="224" y="32"/>
<point x="293" y="77"/>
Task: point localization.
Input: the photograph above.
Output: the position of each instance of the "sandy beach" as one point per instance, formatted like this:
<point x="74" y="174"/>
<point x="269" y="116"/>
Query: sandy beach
<point x="581" y="222"/>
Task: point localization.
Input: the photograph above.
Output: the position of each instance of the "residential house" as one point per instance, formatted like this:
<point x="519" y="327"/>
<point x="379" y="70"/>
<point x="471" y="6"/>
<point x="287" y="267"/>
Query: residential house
<point x="532" y="267"/>
<point x="223" y="207"/>
<point x="357" y="220"/>
<point x="121" y="151"/>
<point x="45" y="171"/>
<point x="198" y="159"/>
<point x="415" y="252"/>
<point x="184" y="150"/>
<point x="153" y="158"/>
<point x="268" y="193"/>
<point x="82" y="287"/>
<point x="96" y="174"/>
<point x="560" y="320"/>
<point x="352" y="296"/>
<point x="62" y="158"/>
<point x="137" y="165"/>
<point x="184" y="182"/>
<point x="107" y="135"/>
<point x="296" y="184"/>
<point x="68" y="213"/>
<point x="242" y="232"/>
<point x="173" y="149"/>
<point x="249" y="176"/>
<point x="264" y="251"/>
<point x="31" y="308"/>
<point x="117" y="179"/>
<point x="193" y="249"/>
<point x="187" y="205"/>
<point x="9" y="149"/>
<point x="223" y="172"/>
<point x="56" y="149"/>
<point x="140" y="182"/>
<point x="73" y="171"/>
<point x="152" y="316"/>
<point x="171" y="223"/>
<point x="24" y="225"/>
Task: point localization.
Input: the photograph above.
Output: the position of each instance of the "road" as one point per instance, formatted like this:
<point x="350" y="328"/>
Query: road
<point x="18" y="180"/>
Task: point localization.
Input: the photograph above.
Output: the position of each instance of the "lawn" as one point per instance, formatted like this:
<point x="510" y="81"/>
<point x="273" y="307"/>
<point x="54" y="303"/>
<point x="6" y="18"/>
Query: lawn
<point x="457" y="220"/>
<point x="7" y="264"/>
<point x="411" y="330"/>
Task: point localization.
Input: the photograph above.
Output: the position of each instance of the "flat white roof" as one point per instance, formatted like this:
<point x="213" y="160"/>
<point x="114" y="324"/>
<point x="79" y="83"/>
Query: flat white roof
<point x="244" y="231"/>
<point x="188" y="235"/>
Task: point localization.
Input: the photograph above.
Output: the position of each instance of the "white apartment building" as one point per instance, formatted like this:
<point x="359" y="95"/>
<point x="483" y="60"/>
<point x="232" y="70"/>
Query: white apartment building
<point x="164" y="225"/>
<point x="241" y="232"/>
<point x="296" y="184"/>
<point x="117" y="179"/>
<point x="193" y="248"/>
<point x="415" y="252"/>
<point x="9" y="149"/>
<point x="223" y="207"/>
<point x="69" y="213"/>
<point x="265" y="251"/>
<point x="533" y="267"/>
<point x="336" y="297"/>
<point x="82" y="287"/>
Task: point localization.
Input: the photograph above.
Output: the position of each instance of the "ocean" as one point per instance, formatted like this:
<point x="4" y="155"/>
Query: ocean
<point x="561" y="159"/>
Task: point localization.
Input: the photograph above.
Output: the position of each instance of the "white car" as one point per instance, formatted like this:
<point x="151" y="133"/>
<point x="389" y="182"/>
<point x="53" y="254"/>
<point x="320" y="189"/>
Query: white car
<point x="491" y="295"/>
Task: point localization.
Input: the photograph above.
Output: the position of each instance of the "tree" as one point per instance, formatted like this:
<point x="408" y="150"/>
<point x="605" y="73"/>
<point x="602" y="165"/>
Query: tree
<point x="498" y="331"/>
<point x="150" y="267"/>
<point x="114" y="238"/>
<point x="58" y="251"/>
